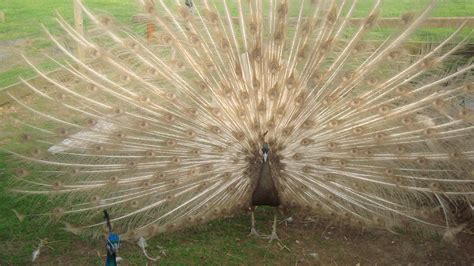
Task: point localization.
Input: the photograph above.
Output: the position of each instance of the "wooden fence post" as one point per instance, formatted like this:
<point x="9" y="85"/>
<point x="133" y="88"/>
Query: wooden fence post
<point x="150" y="31"/>
<point x="79" y="26"/>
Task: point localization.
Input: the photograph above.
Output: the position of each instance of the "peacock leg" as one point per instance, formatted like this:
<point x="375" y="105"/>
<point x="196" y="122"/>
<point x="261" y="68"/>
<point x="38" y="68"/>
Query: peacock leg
<point x="273" y="235"/>
<point x="253" y="230"/>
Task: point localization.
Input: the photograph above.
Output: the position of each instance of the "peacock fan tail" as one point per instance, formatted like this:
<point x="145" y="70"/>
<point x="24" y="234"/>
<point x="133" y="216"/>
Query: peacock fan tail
<point x="167" y="132"/>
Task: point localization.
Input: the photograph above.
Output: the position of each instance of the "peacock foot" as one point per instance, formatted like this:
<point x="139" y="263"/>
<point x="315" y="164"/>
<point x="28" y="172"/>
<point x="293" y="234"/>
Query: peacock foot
<point x="254" y="232"/>
<point x="272" y="236"/>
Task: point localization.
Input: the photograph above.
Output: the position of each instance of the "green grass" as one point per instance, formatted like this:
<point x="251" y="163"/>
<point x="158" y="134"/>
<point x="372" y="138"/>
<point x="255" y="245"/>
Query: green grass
<point x="220" y="242"/>
<point x="23" y="19"/>
<point x="395" y="8"/>
<point x="12" y="76"/>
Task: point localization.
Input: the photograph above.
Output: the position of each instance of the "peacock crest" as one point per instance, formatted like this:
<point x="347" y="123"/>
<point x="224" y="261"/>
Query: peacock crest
<point x="185" y="126"/>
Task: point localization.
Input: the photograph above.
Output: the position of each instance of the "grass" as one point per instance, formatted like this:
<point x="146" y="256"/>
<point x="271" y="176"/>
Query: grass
<point x="222" y="241"/>
<point x="23" y="19"/>
<point x="219" y="242"/>
<point x="22" y="31"/>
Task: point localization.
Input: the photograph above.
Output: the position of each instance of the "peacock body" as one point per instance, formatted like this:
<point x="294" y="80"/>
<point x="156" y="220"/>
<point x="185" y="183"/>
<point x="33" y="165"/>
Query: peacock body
<point x="243" y="103"/>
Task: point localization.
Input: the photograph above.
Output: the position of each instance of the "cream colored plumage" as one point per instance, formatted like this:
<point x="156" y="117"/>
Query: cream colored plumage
<point x="166" y="133"/>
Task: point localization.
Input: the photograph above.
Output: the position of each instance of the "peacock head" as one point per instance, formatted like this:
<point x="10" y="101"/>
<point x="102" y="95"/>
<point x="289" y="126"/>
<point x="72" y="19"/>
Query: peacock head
<point x="265" y="152"/>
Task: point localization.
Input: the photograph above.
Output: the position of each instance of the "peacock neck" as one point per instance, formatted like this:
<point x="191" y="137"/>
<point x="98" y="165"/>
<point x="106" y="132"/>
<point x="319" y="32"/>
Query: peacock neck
<point x="111" y="260"/>
<point x="265" y="192"/>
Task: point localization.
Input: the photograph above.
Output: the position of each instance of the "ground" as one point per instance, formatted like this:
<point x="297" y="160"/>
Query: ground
<point x="304" y="241"/>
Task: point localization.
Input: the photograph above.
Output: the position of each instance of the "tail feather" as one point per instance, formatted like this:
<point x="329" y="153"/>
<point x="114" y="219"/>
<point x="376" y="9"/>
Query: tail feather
<point x="166" y="132"/>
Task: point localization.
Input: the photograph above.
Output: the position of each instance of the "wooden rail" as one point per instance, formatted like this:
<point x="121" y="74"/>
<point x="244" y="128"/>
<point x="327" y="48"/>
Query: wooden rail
<point x="440" y="22"/>
<point x="79" y="26"/>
